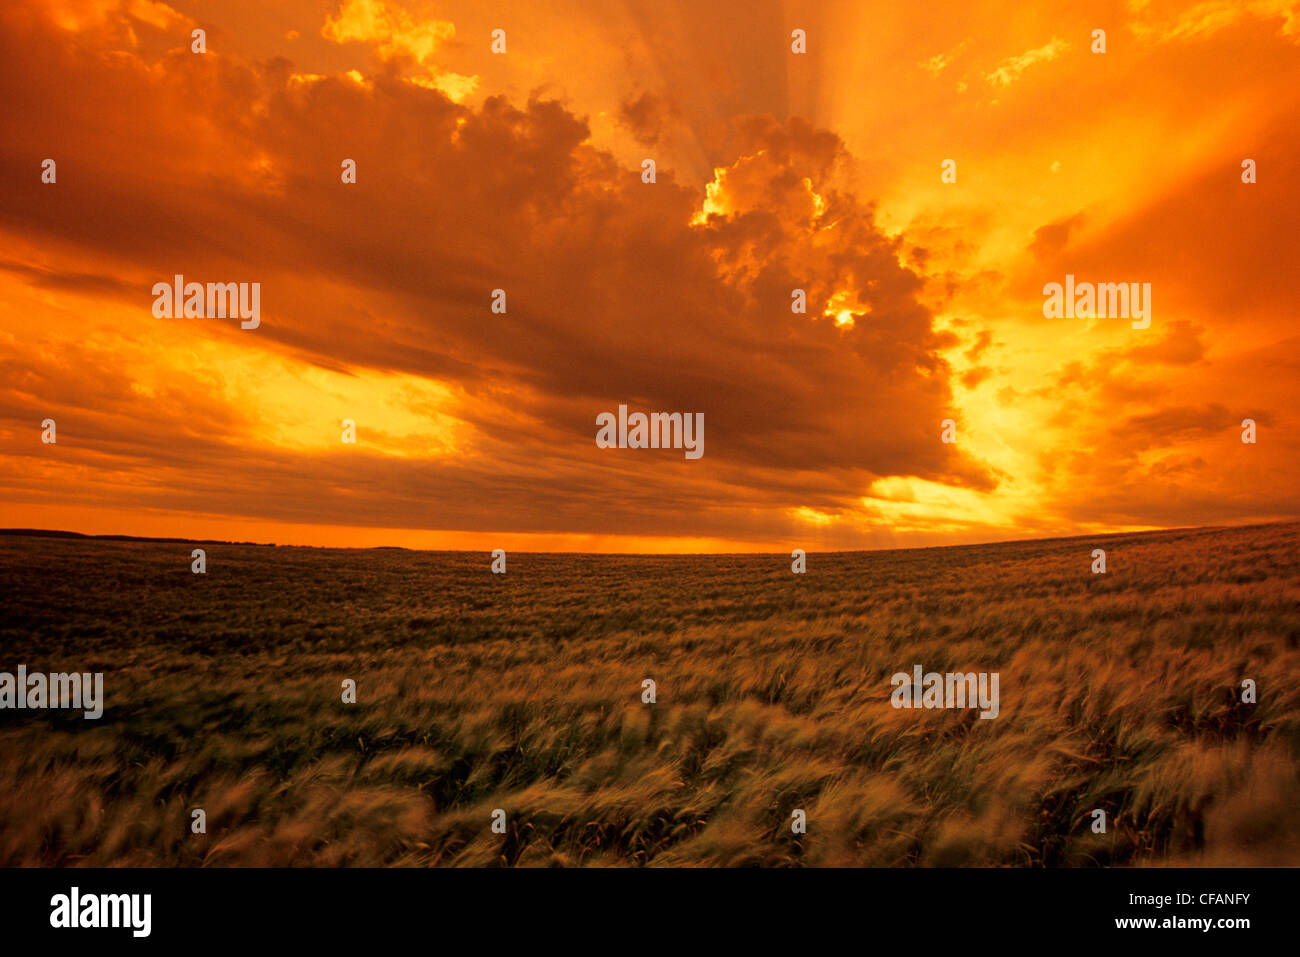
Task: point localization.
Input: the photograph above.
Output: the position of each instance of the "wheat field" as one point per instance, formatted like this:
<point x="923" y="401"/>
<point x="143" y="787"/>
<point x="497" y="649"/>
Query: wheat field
<point x="523" y="692"/>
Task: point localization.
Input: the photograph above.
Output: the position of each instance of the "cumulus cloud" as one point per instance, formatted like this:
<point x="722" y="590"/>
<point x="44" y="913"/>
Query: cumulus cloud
<point x="617" y="292"/>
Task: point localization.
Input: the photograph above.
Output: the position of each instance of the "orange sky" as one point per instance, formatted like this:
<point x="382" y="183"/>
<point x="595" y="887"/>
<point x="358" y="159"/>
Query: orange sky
<point x="521" y="171"/>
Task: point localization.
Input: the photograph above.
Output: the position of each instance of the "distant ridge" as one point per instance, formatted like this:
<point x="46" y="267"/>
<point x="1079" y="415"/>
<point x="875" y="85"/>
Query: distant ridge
<point x="53" y="533"/>
<point x="1011" y="542"/>
<point x="58" y="533"/>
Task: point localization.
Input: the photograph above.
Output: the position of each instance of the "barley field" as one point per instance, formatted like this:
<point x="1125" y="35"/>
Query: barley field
<point x="523" y="692"/>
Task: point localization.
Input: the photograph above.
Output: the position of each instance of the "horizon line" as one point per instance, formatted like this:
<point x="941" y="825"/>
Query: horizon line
<point x="89" y="536"/>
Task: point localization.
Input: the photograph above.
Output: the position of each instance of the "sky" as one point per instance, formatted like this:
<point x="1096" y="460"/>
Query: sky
<point x="522" y="170"/>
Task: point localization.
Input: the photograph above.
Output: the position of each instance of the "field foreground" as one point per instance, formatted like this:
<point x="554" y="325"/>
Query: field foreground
<point x="523" y="692"/>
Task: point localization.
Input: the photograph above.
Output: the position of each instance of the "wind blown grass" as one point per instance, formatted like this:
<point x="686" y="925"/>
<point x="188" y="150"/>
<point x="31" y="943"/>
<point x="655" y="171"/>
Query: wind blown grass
<point x="523" y="692"/>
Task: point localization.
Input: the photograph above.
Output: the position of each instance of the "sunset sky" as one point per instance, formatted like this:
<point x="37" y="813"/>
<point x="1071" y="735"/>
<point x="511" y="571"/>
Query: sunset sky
<point x="522" y="171"/>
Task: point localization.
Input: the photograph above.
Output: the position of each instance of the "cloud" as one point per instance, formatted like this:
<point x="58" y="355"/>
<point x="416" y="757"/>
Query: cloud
<point x="398" y="35"/>
<point x="1203" y="20"/>
<point x="615" y="295"/>
<point x="1051" y="239"/>
<point x="1010" y="69"/>
<point x="647" y="116"/>
<point x="924" y="300"/>
<point x="1181" y="345"/>
<point x="936" y="64"/>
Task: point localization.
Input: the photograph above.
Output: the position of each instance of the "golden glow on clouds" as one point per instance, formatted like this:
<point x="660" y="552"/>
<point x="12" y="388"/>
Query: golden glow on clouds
<point x="1010" y="69"/>
<point x="457" y="87"/>
<point x="390" y="27"/>
<point x="1065" y="160"/>
<point x="305" y="406"/>
<point x="909" y="504"/>
<point x="396" y="34"/>
<point x="812" y="516"/>
<point x="713" y="203"/>
<point x="155" y="14"/>
<point x="1206" y="18"/>
<point x="819" y="204"/>
<point x="275" y="400"/>
<point x="842" y="305"/>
